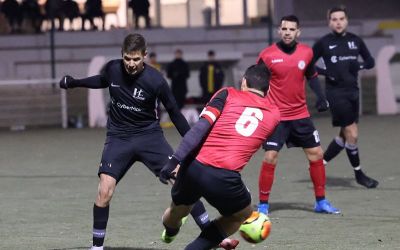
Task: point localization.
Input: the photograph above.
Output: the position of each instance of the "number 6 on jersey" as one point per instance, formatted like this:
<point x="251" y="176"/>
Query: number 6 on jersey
<point x="248" y="121"/>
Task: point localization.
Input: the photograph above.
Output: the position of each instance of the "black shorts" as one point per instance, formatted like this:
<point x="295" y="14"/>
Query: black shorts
<point x="295" y="133"/>
<point x="119" y="154"/>
<point x="344" y="106"/>
<point x="222" y="188"/>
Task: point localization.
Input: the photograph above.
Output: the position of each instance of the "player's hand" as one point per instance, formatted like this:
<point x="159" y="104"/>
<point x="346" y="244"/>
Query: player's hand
<point x="322" y="105"/>
<point x="65" y="81"/>
<point x="169" y="171"/>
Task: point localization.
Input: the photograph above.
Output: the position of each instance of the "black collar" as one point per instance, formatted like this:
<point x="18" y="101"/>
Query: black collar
<point x="287" y="48"/>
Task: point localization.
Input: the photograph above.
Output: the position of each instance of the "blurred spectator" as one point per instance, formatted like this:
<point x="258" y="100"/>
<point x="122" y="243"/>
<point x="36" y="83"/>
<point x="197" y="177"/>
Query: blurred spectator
<point x="31" y="14"/>
<point x="178" y="72"/>
<point x="153" y="61"/>
<point x="71" y="11"/>
<point x="54" y="8"/>
<point x="4" y="27"/>
<point x="12" y="12"/>
<point x="93" y="8"/>
<point x="211" y="77"/>
<point x="140" y="8"/>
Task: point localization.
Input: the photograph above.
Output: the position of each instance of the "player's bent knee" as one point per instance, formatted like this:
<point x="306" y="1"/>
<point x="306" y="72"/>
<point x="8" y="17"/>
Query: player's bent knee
<point x="271" y="157"/>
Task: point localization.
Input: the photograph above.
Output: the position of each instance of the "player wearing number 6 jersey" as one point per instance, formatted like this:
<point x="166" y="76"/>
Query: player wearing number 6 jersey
<point x="290" y="63"/>
<point x="230" y="130"/>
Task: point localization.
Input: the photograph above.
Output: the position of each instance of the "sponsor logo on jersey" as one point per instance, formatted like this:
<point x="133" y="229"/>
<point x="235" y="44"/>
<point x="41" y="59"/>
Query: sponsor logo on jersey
<point x="352" y="45"/>
<point x="301" y="64"/>
<point x="131" y="108"/>
<point x="138" y="94"/>
<point x="332" y="46"/>
<point x="335" y="59"/>
<point x="277" y="60"/>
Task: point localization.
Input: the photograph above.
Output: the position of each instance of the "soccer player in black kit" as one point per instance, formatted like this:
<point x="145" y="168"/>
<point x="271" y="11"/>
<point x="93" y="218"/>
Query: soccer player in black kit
<point x="133" y="129"/>
<point x="339" y="51"/>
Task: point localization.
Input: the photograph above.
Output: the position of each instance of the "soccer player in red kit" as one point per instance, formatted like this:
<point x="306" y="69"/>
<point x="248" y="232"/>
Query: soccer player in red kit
<point x="290" y="63"/>
<point x="230" y="130"/>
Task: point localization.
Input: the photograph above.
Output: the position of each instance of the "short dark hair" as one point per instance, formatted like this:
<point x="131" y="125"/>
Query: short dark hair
<point x="290" y="18"/>
<point x="134" y="42"/>
<point x="211" y="53"/>
<point x="257" y="77"/>
<point x="336" y="9"/>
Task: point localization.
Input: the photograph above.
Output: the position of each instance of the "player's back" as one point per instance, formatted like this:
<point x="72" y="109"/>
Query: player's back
<point x="245" y="122"/>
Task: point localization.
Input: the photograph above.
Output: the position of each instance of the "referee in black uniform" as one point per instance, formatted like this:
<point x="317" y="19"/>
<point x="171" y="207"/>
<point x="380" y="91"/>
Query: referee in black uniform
<point x="133" y="129"/>
<point x="340" y="51"/>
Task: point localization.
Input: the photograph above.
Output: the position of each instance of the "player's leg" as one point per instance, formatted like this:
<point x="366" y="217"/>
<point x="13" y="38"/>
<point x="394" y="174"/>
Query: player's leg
<point x="266" y="179"/>
<point x="101" y="209"/>
<point x="317" y="174"/>
<point x="334" y="148"/>
<point x="339" y="105"/>
<point x="351" y="134"/>
<point x="220" y="229"/>
<point x="154" y="151"/>
<point x="303" y="134"/>
<point x="224" y="190"/>
<point x="267" y="171"/>
<point x="172" y="220"/>
<point x="116" y="159"/>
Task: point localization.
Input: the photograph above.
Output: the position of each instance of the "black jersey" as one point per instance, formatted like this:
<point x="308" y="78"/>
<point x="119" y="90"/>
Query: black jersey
<point x="340" y="55"/>
<point x="134" y="99"/>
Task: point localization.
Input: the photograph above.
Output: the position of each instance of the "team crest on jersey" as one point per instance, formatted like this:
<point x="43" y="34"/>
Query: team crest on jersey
<point x="301" y="64"/>
<point x="138" y="94"/>
<point x="352" y="45"/>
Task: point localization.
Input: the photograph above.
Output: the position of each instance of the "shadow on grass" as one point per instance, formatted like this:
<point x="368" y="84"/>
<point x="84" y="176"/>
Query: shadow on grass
<point x="336" y="182"/>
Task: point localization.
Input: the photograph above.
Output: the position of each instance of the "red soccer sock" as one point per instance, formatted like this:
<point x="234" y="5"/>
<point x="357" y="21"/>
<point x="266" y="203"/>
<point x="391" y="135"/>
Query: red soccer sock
<point x="265" y="181"/>
<point x="317" y="174"/>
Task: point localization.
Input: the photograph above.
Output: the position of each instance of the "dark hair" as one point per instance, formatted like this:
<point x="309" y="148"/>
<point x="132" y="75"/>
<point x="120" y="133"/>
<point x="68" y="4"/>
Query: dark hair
<point x="257" y="77"/>
<point x="134" y="42"/>
<point x="291" y="18"/>
<point x="211" y="53"/>
<point x="337" y="9"/>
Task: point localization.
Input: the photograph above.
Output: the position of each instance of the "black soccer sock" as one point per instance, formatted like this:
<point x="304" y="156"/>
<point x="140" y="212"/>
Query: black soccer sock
<point x="334" y="148"/>
<point x="200" y="215"/>
<point x="210" y="237"/>
<point x="100" y="219"/>
<point x="352" y="154"/>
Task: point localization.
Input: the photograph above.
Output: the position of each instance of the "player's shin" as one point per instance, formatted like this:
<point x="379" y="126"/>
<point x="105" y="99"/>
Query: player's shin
<point x="317" y="174"/>
<point x="335" y="147"/>
<point x="200" y="215"/>
<point x="100" y="219"/>
<point x="265" y="181"/>
<point x="352" y="154"/>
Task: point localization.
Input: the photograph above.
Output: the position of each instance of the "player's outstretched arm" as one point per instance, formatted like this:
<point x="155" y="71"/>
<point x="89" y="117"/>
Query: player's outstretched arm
<point x="92" y="82"/>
